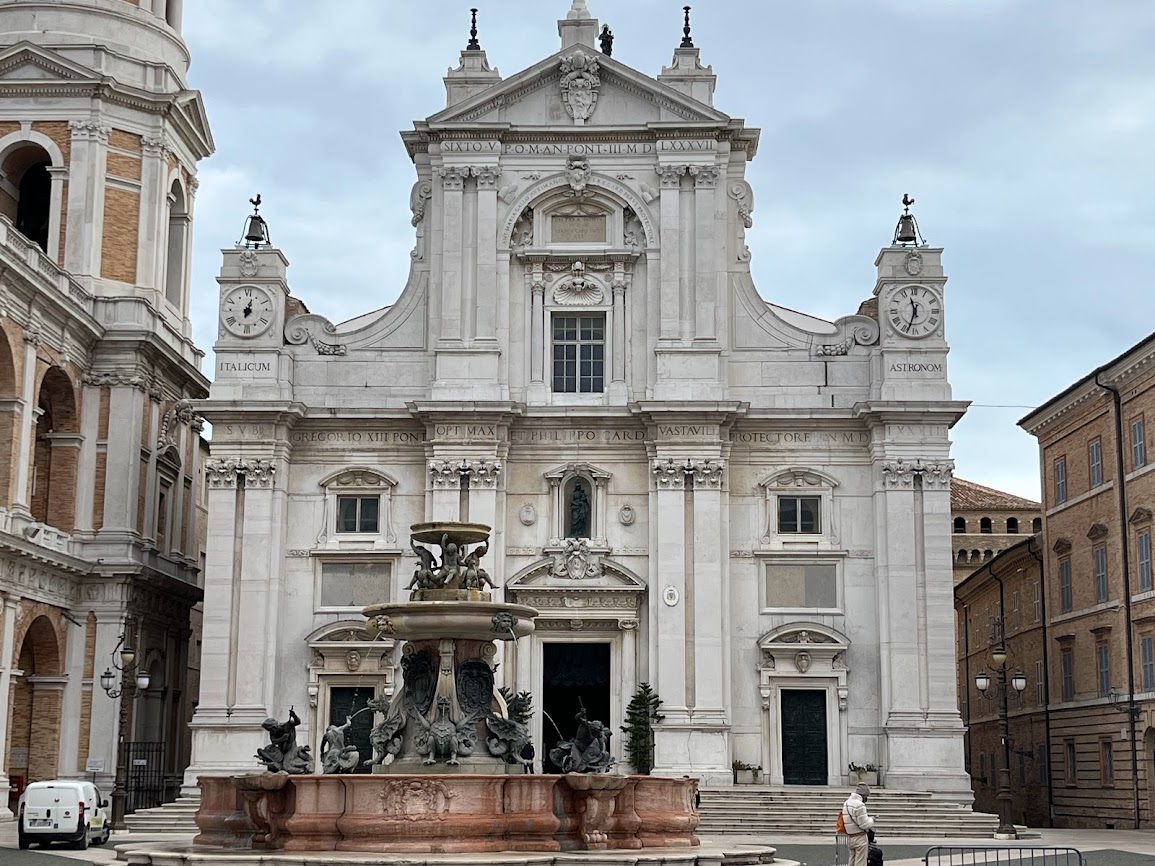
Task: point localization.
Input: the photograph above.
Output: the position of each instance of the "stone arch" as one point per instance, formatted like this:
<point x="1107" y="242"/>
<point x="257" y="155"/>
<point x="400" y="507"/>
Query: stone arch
<point x="37" y="697"/>
<point x="28" y="194"/>
<point x="625" y="196"/>
<point x="8" y="417"/>
<point x="55" y="451"/>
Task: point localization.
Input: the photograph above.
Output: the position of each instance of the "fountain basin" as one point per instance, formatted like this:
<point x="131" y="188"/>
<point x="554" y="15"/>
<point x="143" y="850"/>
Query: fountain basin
<point x="461" y="620"/>
<point x="420" y="814"/>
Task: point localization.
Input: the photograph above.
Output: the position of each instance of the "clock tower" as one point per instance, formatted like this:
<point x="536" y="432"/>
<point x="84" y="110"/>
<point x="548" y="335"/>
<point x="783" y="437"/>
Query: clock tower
<point x="911" y="315"/>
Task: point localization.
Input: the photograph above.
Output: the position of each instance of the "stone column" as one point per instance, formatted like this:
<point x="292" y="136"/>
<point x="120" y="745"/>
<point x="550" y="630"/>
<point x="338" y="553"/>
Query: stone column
<point x="668" y="591"/>
<point x="705" y="278"/>
<point x="445" y="490"/>
<point x="122" y="460"/>
<point x="154" y="205"/>
<point x="7" y="651"/>
<point x="151" y="483"/>
<point x="21" y="495"/>
<point x="452" y="264"/>
<point x="687" y="255"/>
<point x="58" y="174"/>
<point x="67" y="765"/>
<point x="104" y="723"/>
<point x="620" y="344"/>
<point x="710" y="553"/>
<point x="670" y="177"/>
<point x="86" y="466"/>
<point x="485" y="264"/>
<point x="939" y="655"/>
<point x="629" y="629"/>
<point x="86" y="172"/>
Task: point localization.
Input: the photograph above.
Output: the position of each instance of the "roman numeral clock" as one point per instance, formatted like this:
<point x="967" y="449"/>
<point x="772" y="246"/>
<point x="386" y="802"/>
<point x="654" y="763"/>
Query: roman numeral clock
<point x="915" y="311"/>
<point x="247" y="311"/>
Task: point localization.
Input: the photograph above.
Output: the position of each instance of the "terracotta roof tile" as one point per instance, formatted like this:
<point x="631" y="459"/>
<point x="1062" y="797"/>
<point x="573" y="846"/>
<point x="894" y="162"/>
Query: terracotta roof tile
<point x="968" y="496"/>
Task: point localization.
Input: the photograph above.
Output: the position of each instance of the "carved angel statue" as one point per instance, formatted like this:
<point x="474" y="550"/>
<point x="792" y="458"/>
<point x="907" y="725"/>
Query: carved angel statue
<point x="506" y="738"/>
<point x="588" y="751"/>
<point x="448" y="574"/>
<point x="283" y="755"/>
<point x="336" y="756"/>
<point x="425" y="572"/>
<point x="476" y="577"/>
<point x="385" y="738"/>
<point x="443" y="741"/>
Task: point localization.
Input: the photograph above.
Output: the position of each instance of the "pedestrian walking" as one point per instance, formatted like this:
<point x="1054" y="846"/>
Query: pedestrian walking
<point x="859" y="824"/>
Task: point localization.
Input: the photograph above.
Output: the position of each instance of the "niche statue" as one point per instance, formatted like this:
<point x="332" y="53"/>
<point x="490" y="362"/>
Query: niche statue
<point x="579" y="511"/>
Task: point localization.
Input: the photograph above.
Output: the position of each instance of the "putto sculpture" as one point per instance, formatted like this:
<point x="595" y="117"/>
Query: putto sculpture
<point x="456" y="569"/>
<point x="283" y="755"/>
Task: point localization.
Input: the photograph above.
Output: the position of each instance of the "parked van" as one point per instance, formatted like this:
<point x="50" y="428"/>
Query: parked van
<point x="63" y="810"/>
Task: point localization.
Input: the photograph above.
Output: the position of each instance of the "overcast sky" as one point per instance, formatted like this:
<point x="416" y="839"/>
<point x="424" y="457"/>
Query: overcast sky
<point x="1025" y="129"/>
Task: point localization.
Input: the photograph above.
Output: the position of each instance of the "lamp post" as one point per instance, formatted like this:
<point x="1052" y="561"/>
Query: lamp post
<point x="130" y="689"/>
<point x="1018" y="682"/>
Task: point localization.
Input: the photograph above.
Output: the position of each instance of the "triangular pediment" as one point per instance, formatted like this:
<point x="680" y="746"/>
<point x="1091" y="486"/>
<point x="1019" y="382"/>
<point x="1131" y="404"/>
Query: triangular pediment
<point x="189" y="111"/>
<point x="625" y="97"/>
<point x="27" y="62"/>
<point x="542" y="575"/>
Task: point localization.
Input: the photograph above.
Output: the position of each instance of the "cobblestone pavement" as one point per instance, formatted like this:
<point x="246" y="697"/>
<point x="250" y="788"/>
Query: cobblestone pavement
<point x="1099" y="847"/>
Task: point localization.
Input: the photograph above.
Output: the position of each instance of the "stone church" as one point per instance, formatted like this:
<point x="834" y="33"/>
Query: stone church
<point x="744" y="506"/>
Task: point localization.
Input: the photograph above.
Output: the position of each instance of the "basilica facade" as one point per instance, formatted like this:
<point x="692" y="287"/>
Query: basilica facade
<point x="744" y="506"/>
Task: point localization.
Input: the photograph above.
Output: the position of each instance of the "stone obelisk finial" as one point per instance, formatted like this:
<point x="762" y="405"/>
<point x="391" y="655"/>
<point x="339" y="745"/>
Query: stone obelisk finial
<point x="579" y="10"/>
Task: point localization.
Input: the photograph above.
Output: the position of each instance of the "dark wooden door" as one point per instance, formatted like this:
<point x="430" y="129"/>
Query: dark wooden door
<point x="343" y="703"/>
<point x="804" y="737"/>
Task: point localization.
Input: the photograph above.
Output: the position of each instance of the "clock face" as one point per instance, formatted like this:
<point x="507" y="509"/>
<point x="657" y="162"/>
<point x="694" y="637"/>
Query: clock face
<point x="915" y="311"/>
<point x="247" y="311"/>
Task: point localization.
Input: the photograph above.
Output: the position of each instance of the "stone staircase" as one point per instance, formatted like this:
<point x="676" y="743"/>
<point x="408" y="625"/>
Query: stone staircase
<point x="803" y="811"/>
<point x="175" y="817"/>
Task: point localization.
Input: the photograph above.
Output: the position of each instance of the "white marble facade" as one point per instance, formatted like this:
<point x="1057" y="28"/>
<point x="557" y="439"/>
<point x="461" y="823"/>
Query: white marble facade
<point x="582" y="206"/>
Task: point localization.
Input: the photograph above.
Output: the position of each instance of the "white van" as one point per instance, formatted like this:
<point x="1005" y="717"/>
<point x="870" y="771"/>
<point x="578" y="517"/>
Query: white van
<point x="63" y="810"/>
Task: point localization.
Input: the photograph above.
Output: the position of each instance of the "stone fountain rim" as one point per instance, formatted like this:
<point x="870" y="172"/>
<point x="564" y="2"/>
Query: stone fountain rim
<point x="432" y="532"/>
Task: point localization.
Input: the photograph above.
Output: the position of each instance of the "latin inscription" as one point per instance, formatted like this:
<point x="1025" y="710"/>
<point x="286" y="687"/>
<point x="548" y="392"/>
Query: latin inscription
<point x="802" y="437"/>
<point x="597" y="148"/>
<point x="578" y="229"/>
<point x="356" y="437"/>
<point x="245" y="366"/>
<point x="687" y="431"/>
<point x="915" y="368"/>
<point x="609" y="436"/>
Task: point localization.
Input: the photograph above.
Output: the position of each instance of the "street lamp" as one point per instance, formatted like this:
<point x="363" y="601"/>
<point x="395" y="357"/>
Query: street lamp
<point x="130" y="688"/>
<point x="1018" y="682"/>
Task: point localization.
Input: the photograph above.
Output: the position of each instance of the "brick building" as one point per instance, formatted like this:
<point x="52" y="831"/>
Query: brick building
<point x="985" y="521"/>
<point x="1095" y="443"/>
<point x="101" y="506"/>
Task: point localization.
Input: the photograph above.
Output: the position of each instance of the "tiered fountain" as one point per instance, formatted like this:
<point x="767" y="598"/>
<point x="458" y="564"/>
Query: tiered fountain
<point x="447" y="767"/>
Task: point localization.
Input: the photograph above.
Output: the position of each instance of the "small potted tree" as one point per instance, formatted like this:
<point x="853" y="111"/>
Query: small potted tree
<point x="746" y="774"/>
<point x="641" y="716"/>
<point x="863" y="774"/>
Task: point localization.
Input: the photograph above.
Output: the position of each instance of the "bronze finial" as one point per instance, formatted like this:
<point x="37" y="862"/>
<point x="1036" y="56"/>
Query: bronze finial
<point x="473" y="45"/>
<point x="687" y="42"/>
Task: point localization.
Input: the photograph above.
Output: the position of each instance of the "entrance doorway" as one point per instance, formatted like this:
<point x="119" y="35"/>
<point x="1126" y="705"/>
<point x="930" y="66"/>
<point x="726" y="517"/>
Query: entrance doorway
<point x="574" y="675"/>
<point x="804" y="737"/>
<point x="343" y="703"/>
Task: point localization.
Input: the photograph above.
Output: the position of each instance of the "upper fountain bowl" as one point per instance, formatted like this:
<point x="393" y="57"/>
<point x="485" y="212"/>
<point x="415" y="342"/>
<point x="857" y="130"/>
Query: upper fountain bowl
<point x="459" y="533"/>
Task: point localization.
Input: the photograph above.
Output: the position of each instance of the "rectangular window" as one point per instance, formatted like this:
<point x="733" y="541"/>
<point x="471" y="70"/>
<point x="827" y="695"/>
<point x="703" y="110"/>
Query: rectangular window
<point x="799" y="514"/>
<point x="358" y="513"/>
<point x="1144" y="545"/>
<point x="354" y="584"/>
<point x="1037" y="601"/>
<point x="983" y="768"/>
<point x="1016" y="615"/>
<point x="1061" y="480"/>
<point x="802" y="586"/>
<point x="1138" y="444"/>
<point x="1095" y="458"/>
<point x="579" y="354"/>
<point x="1041" y="760"/>
<point x="1065" y="599"/>
<point x="1072" y="767"/>
<point x="1107" y="762"/>
<point x="1100" y="555"/>
<point x="1147" y="654"/>
<point x="1040" y="684"/>
<point x="1103" y="665"/>
<point x="1068" y="660"/>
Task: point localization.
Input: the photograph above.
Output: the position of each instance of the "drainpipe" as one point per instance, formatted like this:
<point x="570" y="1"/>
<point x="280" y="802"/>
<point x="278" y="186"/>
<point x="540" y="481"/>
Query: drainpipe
<point x="1121" y="486"/>
<point x="1046" y="674"/>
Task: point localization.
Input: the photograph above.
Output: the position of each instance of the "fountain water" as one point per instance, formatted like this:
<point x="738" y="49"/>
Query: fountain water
<point x="447" y="753"/>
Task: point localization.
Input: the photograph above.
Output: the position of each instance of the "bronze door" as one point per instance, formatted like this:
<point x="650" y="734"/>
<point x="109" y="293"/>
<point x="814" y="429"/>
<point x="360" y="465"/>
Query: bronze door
<point x="804" y="737"/>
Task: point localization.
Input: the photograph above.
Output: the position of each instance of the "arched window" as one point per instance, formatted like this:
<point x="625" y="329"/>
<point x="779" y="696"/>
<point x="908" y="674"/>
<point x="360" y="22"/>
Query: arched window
<point x="960" y="524"/>
<point x="55" y="454"/>
<point x="8" y="394"/>
<point x="178" y="226"/>
<point x="1012" y="525"/>
<point x="1037" y="524"/>
<point x="26" y="192"/>
<point x="962" y="556"/>
<point x="578" y="504"/>
<point x="985" y="525"/>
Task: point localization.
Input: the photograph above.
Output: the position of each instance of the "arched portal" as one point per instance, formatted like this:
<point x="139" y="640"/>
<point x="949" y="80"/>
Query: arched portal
<point x="37" y="696"/>
<point x="26" y="192"/>
<point x="178" y="230"/>
<point x="8" y="418"/>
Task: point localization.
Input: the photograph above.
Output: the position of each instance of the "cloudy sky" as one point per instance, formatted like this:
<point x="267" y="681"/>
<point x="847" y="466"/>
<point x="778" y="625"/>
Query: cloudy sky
<point x="1024" y="128"/>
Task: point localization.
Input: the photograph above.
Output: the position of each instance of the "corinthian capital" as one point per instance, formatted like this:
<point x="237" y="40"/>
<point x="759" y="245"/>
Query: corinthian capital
<point x="453" y="178"/>
<point x="224" y="472"/>
<point x="901" y="474"/>
<point x="487" y="176"/>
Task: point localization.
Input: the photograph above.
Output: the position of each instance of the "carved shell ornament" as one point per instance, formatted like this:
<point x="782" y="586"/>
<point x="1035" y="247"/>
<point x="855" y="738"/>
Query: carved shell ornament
<point x="576" y="289"/>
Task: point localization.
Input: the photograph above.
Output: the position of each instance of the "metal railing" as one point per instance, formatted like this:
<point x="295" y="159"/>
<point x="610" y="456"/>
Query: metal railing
<point x="1002" y="855"/>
